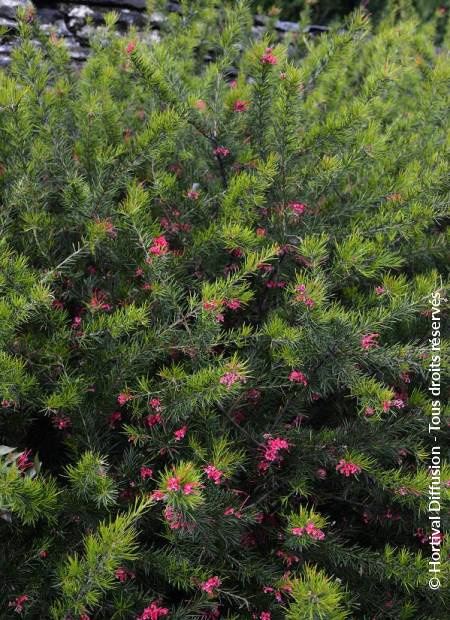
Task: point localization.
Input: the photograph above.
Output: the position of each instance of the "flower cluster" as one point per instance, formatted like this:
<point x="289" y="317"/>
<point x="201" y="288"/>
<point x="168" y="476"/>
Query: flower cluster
<point x="268" y="58"/>
<point x="213" y="473"/>
<point x="310" y="530"/>
<point x="347" y="468"/>
<point x="369" y="341"/>
<point x="302" y="295"/>
<point x="297" y="376"/>
<point x="210" y="585"/>
<point x="153" y="612"/>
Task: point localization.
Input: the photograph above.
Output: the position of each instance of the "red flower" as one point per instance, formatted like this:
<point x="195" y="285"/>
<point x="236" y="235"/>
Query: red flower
<point x="369" y="341"/>
<point x="146" y="472"/>
<point x="130" y="47"/>
<point x="123" y="398"/>
<point x="240" y="106"/>
<point x="347" y="469"/>
<point x="298" y="377"/>
<point x="160" y="246"/>
<point x="297" y="207"/>
<point x="221" y="150"/>
<point x="213" y="473"/>
<point x="173" y="483"/>
<point x="210" y="585"/>
<point x="268" y="58"/>
<point x="153" y="612"/>
<point x="153" y="419"/>
<point x="121" y="574"/>
<point x="180" y="433"/>
<point x="18" y="603"/>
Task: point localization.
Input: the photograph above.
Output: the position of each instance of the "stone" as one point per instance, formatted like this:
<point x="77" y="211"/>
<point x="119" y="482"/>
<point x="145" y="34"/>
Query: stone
<point x="76" y="51"/>
<point x="85" y="33"/>
<point x="287" y="26"/>
<point x="8" y="8"/>
<point x="132" y="18"/>
<point x="10" y="24"/>
<point x="133" y="4"/>
<point x="58" y="26"/>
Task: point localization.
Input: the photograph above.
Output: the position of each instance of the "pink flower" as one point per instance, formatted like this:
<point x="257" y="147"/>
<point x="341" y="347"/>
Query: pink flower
<point x="369" y="341"/>
<point x="160" y="246"/>
<point x="379" y="290"/>
<point x="23" y="461"/>
<point x="229" y="378"/>
<point x="213" y="473"/>
<point x="173" y="484"/>
<point x="180" y="433"/>
<point x="347" y="469"/>
<point x="369" y="411"/>
<point x="121" y="574"/>
<point x="155" y="403"/>
<point x="61" y="422"/>
<point x="298" y="377"/>
<point x="211" y="305"/>
<point x="297" y="207"/>
<point x="190" y="487"/>
<point x="233" y="304"/>
<point x="18" y="603"/>
<point x="130" y="47"/>
<point x="313" y="531"/>
<point x="221" y="151"/>
<point x="193" y="195"/>
<point x="113" y="418"/>
<point x="146" y="472"/>
<point x="123" y="398"/>
<point x="310" y="529"/>
<point x="210" y="585"/>
<point x="153" y="419"/>
<point x="157" y="495"/>
<point x="200" y="105"/>
<point x="153" y="612"/>
<point x="240" y="106"/>
<point x="272" y="448"/>
<point x="321" y="473"/>
<point x="268" y="58"/>
<point x="265" y="615"/>
<point x="139" y="272"/>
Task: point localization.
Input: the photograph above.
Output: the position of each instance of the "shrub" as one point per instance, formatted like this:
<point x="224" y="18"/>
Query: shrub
<point x="215" y="322"/>
<point x="322" y="10"/>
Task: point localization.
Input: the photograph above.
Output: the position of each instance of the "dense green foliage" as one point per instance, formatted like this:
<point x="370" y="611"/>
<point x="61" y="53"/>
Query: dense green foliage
<point x="321" y="11"/>
<point x="215" y="322"/>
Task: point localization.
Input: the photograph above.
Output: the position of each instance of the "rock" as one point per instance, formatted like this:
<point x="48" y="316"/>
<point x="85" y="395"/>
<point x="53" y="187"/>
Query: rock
<point x="76" y="51"/>
<point x="134" y="4"/>
<point x="132" y="18"/>
<point x="10" y="24"/>
<point x="8" y="8"/>
<point x="85" y="33"/>
<point x="48" y="16"/>
<point x="58" y="26"/>
<point x="287" y="26"/>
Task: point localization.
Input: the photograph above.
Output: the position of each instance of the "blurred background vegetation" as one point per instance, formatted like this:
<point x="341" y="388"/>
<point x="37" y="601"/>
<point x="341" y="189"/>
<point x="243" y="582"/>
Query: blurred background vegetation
<point x="325" y="11"/>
